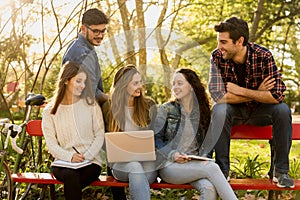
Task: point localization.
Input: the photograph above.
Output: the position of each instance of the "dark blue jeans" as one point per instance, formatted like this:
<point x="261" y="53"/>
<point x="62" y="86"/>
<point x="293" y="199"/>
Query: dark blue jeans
<point x="224" y="116"/>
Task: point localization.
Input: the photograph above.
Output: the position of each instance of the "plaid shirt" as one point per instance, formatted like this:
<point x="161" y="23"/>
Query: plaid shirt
<point x="259" y="65"/>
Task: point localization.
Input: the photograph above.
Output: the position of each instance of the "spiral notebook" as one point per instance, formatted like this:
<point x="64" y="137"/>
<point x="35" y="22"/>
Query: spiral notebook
<point x="130" y="146"/>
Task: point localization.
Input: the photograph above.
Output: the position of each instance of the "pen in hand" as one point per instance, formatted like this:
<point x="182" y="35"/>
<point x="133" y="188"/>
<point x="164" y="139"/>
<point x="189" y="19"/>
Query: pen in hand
<point x="78" y="157"/>
<point x="75" y="150"/>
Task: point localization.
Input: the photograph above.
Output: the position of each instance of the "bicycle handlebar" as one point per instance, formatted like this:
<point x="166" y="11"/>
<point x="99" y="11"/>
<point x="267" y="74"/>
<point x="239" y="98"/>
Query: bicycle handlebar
<point x="12" y="131"/>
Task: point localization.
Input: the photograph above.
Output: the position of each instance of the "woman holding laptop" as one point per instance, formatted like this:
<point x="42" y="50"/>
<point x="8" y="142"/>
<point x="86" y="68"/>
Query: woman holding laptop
<point x="129" y="110"/>
<point x="180" y="129"/>
<point x="74" y="131"/>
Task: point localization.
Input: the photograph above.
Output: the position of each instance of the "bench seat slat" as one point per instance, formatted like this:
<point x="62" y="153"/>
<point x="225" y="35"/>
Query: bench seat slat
<point x="236" y="184"/>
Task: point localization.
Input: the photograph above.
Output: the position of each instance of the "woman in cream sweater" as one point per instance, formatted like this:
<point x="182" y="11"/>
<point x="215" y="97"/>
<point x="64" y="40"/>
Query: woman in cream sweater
<point x="73" y="122"/>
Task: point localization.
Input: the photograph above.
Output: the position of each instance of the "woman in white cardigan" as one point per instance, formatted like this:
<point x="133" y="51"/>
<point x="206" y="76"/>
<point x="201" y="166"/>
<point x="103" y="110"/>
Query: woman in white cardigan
<point x="74" y="131"/>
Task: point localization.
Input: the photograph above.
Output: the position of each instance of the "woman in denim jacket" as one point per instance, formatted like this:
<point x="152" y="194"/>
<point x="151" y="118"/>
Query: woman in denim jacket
<point x="180" y="129"/>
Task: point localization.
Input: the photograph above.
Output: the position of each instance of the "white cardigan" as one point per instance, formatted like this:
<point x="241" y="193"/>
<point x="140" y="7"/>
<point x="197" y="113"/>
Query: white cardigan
<point x="79" y="125"/>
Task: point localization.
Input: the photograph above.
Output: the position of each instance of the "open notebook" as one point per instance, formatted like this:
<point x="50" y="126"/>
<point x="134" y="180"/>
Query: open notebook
<point x="130" y="146"/>
<point x="72" y="165"/>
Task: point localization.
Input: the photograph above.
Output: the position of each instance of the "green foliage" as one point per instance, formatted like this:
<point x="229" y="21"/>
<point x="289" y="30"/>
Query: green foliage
<point x="295" y="168"/>
<point x="51" y="80"/>
<point x="155" y="90"/>
<point x="277" y="29"/>
<point x="250" y="168"/>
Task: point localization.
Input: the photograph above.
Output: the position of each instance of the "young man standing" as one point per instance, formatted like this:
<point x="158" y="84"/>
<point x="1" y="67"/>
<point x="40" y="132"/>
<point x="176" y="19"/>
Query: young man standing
<point x="248" y="89"/>
<point x="82" y="50"/>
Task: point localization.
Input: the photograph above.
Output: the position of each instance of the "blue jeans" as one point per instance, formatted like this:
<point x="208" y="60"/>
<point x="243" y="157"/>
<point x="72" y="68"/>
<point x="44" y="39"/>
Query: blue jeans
<point x="224" y="116"/>
<point x="205" y="176"/>
<point x="139" y="175"/>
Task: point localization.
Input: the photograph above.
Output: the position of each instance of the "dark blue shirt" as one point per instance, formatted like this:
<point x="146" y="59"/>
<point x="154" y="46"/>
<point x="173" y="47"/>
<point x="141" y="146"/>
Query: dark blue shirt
<point x="81" y="51"/>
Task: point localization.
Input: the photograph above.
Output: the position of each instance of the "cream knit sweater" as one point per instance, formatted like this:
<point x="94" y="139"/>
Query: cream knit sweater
<point x="79" y="125"/>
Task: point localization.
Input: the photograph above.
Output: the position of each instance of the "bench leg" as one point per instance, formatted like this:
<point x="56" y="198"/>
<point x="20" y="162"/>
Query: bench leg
<point x="52" y="192"/>
<point x="270" y="173"/>
<point x="118" y="193"/>
<point x="24" y="195"/>
<point x="272" y="195"/>
<point x="43" y="192"/>
<point x="272" y="148"/>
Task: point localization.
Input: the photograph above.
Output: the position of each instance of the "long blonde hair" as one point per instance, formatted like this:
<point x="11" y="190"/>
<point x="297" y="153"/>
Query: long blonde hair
<point x="119" y="99"/>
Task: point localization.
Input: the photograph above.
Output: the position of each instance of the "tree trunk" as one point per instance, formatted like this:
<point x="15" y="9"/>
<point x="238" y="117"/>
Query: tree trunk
<point x="129" y="37"/>
<point x="256" y="20"/>
<point x="141" y="38"/>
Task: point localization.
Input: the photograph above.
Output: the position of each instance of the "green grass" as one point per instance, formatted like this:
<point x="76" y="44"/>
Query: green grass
<point x="259" y="152"/>
<point x="242" y="149"/>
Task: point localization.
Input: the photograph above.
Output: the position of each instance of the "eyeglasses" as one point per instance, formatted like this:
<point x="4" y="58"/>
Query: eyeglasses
<point x="96" y="31"/>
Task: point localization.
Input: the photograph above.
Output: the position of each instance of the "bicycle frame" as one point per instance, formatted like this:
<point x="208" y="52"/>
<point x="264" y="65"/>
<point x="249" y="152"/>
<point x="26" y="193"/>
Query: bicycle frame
<point x="23" y="135"/>
<point x="31" y="100"/>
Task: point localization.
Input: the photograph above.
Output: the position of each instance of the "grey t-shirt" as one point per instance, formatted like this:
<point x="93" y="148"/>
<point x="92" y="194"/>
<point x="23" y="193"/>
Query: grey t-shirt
<point x="188" y="142"/>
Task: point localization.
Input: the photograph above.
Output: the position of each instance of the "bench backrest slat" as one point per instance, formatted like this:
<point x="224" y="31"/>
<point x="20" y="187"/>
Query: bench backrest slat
<point x="34" y="128"/>
<point x="259" y="132"/>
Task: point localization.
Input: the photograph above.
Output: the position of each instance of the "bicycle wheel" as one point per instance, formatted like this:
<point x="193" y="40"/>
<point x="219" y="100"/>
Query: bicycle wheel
<point x="5" y="183"/>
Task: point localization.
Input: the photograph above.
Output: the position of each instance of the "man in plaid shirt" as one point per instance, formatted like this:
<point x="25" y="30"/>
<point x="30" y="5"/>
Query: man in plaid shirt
<point x="248" y="89"/>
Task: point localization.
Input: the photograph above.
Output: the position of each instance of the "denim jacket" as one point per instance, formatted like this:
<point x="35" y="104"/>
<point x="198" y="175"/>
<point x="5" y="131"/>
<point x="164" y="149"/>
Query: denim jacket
<point x="81" y="51"/>
<point x="167" y="126"/>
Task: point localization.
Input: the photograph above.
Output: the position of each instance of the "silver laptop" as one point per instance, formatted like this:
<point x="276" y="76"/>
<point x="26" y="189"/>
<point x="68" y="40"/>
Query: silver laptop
<point x="130" y="146"/>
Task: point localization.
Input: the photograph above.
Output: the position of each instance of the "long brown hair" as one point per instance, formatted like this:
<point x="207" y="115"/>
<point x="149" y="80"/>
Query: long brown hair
<point x="201" y="95"/>
<point x="119" y="99"/>
<point x="67" y="72"/>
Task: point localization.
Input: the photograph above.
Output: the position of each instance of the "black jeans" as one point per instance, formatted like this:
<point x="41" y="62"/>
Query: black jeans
<point x="76" y="179"/>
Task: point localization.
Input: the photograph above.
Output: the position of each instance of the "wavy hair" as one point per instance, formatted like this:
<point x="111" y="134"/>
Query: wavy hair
<point x="201" y="96"/>
<point x="236" y="27"/>
<point x="67" y="72"/>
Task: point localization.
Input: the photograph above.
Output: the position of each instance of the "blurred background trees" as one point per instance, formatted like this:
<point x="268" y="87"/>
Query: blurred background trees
<point x="158" y="36"/>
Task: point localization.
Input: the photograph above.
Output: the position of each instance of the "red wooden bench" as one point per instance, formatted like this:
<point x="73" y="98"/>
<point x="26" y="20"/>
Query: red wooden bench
<point x="236" y="184"/>
<point x="238" y="132"/>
